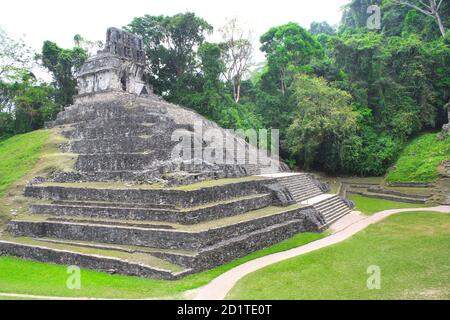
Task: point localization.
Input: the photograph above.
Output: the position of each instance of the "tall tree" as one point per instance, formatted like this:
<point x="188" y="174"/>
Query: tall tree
<point x="25" y="104"/>
<point x="322" y="27"/>
<point x="238" y="50"/>
<point x="171" y="43"/>
<point x="323" y="120"/>
<point x="289" y="47"/>
<point x="63" y="65"/>
<point x="431" y="9"/>
<point x="14" y="55"/>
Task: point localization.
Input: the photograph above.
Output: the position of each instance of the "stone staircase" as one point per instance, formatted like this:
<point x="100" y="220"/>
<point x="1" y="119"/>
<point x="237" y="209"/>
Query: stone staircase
<point x="301" y="186"/>
<point x="331" y="207"/>
<point x="446" y="167"/>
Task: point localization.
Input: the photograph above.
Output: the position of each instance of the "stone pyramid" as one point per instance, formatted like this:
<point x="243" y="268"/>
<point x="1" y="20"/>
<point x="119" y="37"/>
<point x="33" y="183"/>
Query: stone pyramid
<point x="137" y="203"/>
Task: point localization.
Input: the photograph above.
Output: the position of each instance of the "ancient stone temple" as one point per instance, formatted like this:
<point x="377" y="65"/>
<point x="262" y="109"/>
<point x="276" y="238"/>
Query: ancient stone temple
<point x="120" y="66"/>
<point x="143" y="197"/>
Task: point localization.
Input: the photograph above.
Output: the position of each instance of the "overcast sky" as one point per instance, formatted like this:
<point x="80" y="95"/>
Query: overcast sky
<point x="59" y="21"/>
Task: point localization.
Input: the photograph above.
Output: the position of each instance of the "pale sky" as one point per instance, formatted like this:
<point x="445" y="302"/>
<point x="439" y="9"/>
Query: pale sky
<point x="59" y="21"/>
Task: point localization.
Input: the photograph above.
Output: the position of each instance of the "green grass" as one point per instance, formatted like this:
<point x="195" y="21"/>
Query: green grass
<point x="412" y="250"/>
<point x="420" y="159"/>
<point x="29" y="277"/>
<point x="370" y="206"/>
<point x="18" y="155"/>
<point x="24" y="157"/>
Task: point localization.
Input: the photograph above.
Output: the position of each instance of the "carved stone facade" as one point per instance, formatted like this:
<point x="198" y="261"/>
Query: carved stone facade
<point x="119" y="67"/>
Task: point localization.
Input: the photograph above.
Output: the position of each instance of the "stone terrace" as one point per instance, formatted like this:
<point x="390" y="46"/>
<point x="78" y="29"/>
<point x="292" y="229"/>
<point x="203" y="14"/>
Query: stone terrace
<point x="149" y="231"/>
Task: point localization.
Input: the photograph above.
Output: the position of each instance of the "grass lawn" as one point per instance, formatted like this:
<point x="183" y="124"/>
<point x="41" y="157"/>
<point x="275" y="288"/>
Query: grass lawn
<point x="420" y="159"/>
<point x="370" y="206"/>
<point x="35" y="278"/>
<point x="412" y="250"/>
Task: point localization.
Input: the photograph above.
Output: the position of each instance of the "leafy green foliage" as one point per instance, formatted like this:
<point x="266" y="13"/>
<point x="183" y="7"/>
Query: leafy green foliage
<point x="321" y="28"/>
<point x="25" y="104"/>
<point x="289" y="48"/>
<point x="171" y="43"/>
<point x="420" y="159"/>
<point x="323" y="121"/>
<point x="63" y="64"/>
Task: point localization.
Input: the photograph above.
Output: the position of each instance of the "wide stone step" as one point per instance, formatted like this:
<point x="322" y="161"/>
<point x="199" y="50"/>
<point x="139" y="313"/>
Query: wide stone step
<point x="299" y="183"/>
<point x="115" y="205"/>
<point x="387" y="197"/>
<point x="330" y="199"/>
<point x="330" y="210"/>
<point x="189" y="196"/>
<point x="303" y="186"/>
<point x="182" y="237"/>
<point x="323" y="205"/>
<point x="122" y="144"/>
<point x="329" y="216"/>
<point x="398" y="193"/>
<point x="306" y="195"/>
<point x="122" y="119"/>
<point x="121" y="161"/>
<point x="111" y="261"/>
<point x="228" y="250"/>
<point x="107" y="176"/>
<point x="336" y="218"/>
<point x="337" y="213"/>
<point x="305" y="192"/>
<point x="123" y="211"/>
<point x="126" y="130"/>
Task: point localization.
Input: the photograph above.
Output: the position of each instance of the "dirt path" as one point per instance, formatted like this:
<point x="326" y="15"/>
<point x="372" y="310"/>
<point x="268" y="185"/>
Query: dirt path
<point x="219" y="287"/>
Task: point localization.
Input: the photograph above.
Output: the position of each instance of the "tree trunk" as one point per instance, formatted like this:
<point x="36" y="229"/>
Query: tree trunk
<point x="237" y="90"/>
<point x="434" y="11"/>
<point x="283" y="88"/>
<point x="439" y="22"/>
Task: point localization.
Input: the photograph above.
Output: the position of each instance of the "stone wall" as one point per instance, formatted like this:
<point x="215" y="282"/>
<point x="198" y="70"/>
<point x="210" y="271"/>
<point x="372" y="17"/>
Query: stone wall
<point x="181" y="198"/>
<point x="191" y="216"/>
<point x="156" y="238"/>
<point x="95" y="262"/>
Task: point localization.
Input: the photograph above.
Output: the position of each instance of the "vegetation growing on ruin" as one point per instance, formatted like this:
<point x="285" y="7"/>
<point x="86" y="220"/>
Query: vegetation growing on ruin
<point x="419" y="160"/>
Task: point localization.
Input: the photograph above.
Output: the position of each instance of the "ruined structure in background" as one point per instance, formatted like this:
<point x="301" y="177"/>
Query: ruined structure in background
<point x="120" y="66"/>
<point x="129" y="206"/>
<point x="445" y="133"/>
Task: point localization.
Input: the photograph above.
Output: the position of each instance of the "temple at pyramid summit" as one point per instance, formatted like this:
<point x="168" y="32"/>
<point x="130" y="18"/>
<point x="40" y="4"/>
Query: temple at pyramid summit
<point x="153" y="189"/>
